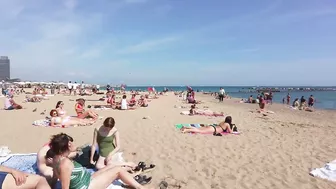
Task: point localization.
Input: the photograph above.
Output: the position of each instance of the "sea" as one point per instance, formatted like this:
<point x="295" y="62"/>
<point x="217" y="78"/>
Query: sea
<point x="323" y="99"/>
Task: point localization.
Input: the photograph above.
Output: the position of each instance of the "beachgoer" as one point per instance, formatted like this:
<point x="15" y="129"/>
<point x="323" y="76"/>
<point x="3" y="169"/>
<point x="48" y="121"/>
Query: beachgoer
<point x="311" y="101"/>
<point x="107" y="139"/>
<point x="262" y="103"/>
<point x="81" y="113"/>
<point x="225" y="126"/>
<point x="194" y="111"/>
<point x="288" y="98"/>
<point x="15" y="179"/>
<point x="296" y="103"/>
<point x="132" y="102"/>
<point x="44" y="161"/>
<point x="221" y="94"/>
<point x="142" y="102"/>
<point x="70" y="87"/>
<point x="10" y="104"/>
<point x="59" y="107"/>
<point x="123" y="103"/>
<point x="270" y="98"/>
<point x="72" y="175"/>
<point x="66" y="121"/>
<point x="303" y="101"/>
<point x="250" y="99"/>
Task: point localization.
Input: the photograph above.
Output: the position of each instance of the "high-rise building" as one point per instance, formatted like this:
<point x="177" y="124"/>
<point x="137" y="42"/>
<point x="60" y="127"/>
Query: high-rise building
<point x="4" y="68"/>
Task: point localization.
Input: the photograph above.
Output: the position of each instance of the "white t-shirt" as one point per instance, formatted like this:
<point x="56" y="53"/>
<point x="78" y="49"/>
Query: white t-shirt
<point x="7" y="103"/>
<point x="75" y="85"/>
<point x="70" y="85"/>
<point x="124" y="104"/>
<point x="222" y="92"/>
<point x="82" y="86"/>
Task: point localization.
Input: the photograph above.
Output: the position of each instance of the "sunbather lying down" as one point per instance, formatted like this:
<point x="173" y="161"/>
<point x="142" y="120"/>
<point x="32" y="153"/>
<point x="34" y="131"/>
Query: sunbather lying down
<point x="67" y="121"/>
<point x="194" y="111"/>
<point x="225" y="126"/>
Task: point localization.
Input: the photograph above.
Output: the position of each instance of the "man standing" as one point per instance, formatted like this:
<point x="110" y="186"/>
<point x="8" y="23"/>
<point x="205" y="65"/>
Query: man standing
<point x="3" y="88"/>
<point x="311" y="101"/>
<point x="70" y="87"/>
<point x="82" y="88"/>
<point x="221" y="94"/>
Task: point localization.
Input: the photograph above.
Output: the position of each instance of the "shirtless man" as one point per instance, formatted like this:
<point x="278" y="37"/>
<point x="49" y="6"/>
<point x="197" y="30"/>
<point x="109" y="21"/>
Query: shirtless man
<point x="44" y="164"/>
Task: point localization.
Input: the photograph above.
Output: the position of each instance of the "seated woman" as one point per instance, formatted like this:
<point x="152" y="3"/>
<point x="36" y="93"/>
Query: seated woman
<point x="67" y="121"/>
<point x="296" y="104"/>
<point x="142" y="102"/>
<point x="14" y="179"/>
<point x="33" y="99"/>
<point x="191" y="100"/>
<point x="107" y="139"/>
<point x="44" y="161"/>
<point x="132" y="102"/>
<point x="10" y="104"/>
<point x="225" y="126"/>
<point x="72" y="175"/>
<point x="81" y="113"/>
<point x="59" y="107"/>
<point x="194" y="111"/>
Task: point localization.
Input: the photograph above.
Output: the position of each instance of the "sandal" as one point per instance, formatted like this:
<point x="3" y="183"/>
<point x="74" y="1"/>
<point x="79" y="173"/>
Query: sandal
<point x="140" y="166"/>
<point x="163" y="185"/>
<point x="143" y="179"/>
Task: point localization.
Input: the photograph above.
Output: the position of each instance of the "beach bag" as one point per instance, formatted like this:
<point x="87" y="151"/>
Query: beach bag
<point x="234" y="128"/>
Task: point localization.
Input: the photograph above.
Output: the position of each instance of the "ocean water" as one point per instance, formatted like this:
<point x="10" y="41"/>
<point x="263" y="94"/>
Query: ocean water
<point x="324" y="99"/>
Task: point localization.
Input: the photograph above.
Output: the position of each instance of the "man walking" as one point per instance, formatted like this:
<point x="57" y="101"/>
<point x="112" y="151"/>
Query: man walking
<point x="221" y="94"/>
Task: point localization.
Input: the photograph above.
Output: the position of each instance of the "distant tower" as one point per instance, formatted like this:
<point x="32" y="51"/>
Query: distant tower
<point x="4" y="68"/>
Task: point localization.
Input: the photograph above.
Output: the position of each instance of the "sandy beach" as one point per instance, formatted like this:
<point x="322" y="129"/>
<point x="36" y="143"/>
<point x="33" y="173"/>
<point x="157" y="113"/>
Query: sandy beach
<point x="275" y="151"/>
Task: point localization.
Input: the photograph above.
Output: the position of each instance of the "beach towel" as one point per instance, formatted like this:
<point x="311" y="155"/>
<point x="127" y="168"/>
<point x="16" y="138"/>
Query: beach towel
<point x="27" y="163"/>
<point x="188" y="113"/>
<point x="327" y="172"/>
<point x="42" y="122"/>
<point x="198" y="125"/>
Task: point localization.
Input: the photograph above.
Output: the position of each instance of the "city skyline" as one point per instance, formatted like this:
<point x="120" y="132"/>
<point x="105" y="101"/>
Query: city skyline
<point x="147" y="42"/>
<point x="5" y="68"/>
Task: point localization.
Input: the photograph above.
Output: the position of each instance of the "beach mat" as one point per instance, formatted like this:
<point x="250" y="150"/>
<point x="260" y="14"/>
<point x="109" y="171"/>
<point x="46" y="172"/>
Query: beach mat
<point x="198" y="125"/>
<point x="327" y="172"/>
<point x="27" y="163"/>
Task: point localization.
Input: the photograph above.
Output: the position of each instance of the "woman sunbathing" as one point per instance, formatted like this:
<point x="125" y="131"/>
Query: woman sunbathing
<point x="194" y="111"/>
<point x="59" y="107"/>
<point x="225" y="126"/>
<point x="67" y="121"/>
<point x="142" y="102"/>
<point x="72" y="175"/>
<point x="81" y="113"/>
<point x="14" y="179"/>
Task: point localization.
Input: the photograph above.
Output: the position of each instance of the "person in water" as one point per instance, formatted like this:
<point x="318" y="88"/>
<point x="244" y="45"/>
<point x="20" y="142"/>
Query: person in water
<point x="225" y="126"/>
<point x="311" y="101"/>
<point x="72" y="175"/>
<point x="66" y="121"/>
<point x="14" y="179"/>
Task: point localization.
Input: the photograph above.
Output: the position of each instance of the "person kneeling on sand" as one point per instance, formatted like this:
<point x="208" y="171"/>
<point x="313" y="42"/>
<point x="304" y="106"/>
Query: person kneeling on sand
<point x="225" y="126"/>
<point x="44" y="160"/>
<point x="72" y="175"/>
<point x="14" y="179"/>
<point x="67" y="121"/>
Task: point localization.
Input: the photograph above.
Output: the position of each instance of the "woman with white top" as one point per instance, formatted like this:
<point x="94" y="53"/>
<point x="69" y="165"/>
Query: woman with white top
<point x="124" y="103"/>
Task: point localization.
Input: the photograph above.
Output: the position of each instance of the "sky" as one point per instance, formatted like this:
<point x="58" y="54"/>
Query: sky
<point x="171" y="42"/>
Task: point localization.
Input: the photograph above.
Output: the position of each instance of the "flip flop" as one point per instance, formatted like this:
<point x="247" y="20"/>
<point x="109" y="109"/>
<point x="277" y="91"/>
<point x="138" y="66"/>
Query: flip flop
<point x="143" y="179"/>
<point x="163" y="185"/>
<point x="140" y="166"/>
<point x="147" y="169"/>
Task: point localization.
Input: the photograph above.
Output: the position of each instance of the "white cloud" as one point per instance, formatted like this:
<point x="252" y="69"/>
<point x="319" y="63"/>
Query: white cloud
<point x="147" y="45"/>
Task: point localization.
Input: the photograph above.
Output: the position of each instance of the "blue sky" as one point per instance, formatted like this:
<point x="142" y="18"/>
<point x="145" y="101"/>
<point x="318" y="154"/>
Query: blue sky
<point x="171" y="42"/>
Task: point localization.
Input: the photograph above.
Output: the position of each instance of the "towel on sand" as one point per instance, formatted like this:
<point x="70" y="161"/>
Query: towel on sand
<point x="327" y="172"/>
<point x="27" y="163"/>
<point x="42" y="123"/>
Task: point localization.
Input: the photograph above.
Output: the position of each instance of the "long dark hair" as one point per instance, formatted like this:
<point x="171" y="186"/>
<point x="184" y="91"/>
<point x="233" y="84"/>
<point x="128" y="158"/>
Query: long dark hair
<point x="58" y="104"/>
<point x="109" y="122"/>
<point x="60" y="143"/>
<point x="228" y="120"/>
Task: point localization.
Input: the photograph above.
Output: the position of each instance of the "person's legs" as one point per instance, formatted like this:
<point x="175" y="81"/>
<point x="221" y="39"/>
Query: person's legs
<point x="103" y="178"/>
<point x="32" y="182"/>
<point x="100" y="163"/>
<point x="202" y="130"/>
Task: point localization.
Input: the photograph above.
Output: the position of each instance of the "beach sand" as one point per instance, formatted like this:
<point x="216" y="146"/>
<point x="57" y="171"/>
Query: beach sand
<point x="274" y="151"/>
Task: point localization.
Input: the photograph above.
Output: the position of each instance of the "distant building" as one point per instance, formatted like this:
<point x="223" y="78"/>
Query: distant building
<point x="4" y="68"/>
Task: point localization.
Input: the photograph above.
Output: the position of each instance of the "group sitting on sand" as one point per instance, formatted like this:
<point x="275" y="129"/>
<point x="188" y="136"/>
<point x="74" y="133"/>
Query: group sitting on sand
<point x="56" y="162"/>
<point x="124" y="104"/>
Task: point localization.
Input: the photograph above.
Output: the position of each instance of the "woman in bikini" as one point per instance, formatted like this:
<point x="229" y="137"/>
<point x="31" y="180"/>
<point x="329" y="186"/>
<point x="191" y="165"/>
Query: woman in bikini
<point x="14" y="179"/>
<point x="72" y="175"/>
<point x="225" y="126"/>
<point x="142" y="102"/>
<point x="81" y="113"/>
<point x="59" y="107"/>
<point x="67" y="121"/>
<point x="194" y="111"/>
